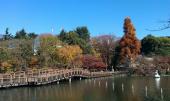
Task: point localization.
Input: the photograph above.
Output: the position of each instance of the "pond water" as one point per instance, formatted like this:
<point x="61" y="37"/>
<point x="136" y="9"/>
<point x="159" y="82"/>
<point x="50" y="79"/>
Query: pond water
<point x="99" y="89"/>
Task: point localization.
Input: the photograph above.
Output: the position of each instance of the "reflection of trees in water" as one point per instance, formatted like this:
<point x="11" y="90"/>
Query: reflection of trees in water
<point x="149" y="98"/>
<point x="89" y="90"/>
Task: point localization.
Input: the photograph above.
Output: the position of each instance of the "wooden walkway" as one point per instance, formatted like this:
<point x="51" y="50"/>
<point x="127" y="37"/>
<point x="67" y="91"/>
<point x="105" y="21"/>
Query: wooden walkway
<point x="46" y="76"/>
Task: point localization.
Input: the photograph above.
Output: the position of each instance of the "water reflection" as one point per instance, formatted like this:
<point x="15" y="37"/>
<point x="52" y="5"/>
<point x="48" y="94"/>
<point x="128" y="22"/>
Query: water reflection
<point x="106" y="84"/>
<point x="157" y="80"/>
<point x="146" y="91"/>
<point x="132" y="89"/>
<point x="162" y="97"/>
<point x="122" y="87"/>
<point x="105" y="89"/>
<point x="113" y="86"/>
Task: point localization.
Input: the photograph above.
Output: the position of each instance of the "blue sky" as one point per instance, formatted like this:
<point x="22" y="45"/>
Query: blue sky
<point x="100" y="16"/>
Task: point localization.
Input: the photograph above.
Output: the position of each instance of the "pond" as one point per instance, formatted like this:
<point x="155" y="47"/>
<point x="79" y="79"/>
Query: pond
<point x="99" y="89"/>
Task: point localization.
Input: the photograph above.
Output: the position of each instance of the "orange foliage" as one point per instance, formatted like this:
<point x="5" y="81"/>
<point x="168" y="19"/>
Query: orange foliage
<point x="34" y="61"/>
<point x="129" y="44"/>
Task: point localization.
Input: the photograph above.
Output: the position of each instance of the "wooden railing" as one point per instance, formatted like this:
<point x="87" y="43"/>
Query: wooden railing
<point x="45" y="76"/>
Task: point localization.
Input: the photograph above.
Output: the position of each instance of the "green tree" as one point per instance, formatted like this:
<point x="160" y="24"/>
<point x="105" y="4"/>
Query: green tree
<point x="116" y="56"/>
<point x="150" y="45"/>
<point x="21" y="34"/>
<point x="83" y="33"/>
<point x="25" y="52"/>
<point x="3" y="55"/>
<point x="48" y="46"/>
<point x="32" y="35"/>
<point x="7" y="35"/>
<point x="72" y="38"/>
<point x="62" y="35"/>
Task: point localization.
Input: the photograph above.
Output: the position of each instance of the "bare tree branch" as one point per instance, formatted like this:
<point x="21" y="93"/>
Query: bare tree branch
<point x="164" y="27"/>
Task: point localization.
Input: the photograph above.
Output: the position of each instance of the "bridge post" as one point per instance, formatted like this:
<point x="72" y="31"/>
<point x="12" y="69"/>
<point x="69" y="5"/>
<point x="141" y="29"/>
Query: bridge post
<point x="19" y="79"/>
<point x="2" y="81"/>
<point x="11" y="79"/>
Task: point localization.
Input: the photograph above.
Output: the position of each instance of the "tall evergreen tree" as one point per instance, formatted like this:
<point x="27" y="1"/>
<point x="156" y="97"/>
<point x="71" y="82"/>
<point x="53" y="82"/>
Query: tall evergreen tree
<point x="7" y="35"/>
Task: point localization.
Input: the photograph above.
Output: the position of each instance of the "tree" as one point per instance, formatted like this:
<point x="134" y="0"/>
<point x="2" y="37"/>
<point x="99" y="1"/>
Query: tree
<point x="93" y="62"/>
<point x="62" y="35"/>
<point x="150" y="45"/>
<point x="32" y="35"/>
<point x="3" y="54"/>
<point x="116" y="56"/>
<point x="21" y="34"/>
<point x="72" y="38"/>
<point x="47" y="49"/>
<point x="68" y="53"/>
<point x="164" y="27"/>
<point x="7" y="35"/>
<point x="162" y="62"/>
<point x="83" y="33"/>
<point x="129" y="44"/>
<point x="105" y="46"/>
<point x="156" y="45"/>
<point x="26" y="52"/>
<point x="17" y="53"/>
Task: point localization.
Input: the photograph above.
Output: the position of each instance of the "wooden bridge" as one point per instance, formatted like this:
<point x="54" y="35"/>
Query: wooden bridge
<point x="46" y="76"/>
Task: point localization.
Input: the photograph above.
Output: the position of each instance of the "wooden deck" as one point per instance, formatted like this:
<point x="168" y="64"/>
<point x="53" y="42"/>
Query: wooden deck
<point x="45" y="76"/>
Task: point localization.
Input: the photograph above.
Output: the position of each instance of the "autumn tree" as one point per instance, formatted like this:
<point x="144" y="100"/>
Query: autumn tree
<point x="93" y="63"/>
<point x="46" y="50"/>
<point x="129" y="44"/>
<point x="69" y="54"/>
<point x="17" y="53"/>
<point x="105" y="46"/>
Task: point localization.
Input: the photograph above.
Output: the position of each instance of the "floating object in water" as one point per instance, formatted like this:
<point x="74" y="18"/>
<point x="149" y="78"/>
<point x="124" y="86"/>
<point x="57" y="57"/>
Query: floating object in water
<point x="156" y="74"/>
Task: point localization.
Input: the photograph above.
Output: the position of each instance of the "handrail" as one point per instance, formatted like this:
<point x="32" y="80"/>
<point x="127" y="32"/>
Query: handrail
<point x="45" y="76"/>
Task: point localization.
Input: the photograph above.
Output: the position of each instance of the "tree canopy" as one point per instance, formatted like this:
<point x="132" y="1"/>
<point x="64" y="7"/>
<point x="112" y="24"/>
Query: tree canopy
<point x="129" y="45"/>
<point x="80" y="36"/>
<point x="152" y="45"/>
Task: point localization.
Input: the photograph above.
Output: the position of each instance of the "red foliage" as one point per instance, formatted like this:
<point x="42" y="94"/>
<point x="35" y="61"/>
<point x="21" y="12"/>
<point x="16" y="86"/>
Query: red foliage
<point x="162" y="62"/>
<point x="93" y="62"/>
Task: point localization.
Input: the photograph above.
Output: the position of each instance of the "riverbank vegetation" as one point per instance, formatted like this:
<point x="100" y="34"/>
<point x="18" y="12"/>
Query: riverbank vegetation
<point x="76" y="48"/>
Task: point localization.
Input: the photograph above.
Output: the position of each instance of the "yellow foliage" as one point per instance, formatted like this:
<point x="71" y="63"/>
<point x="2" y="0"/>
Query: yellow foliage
<point x="67" y="53"/>
<point x="5" y="66"/>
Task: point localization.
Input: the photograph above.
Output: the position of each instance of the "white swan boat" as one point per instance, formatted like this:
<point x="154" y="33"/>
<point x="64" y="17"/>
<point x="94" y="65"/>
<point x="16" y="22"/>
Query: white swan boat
<point x="157" y="74"/>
